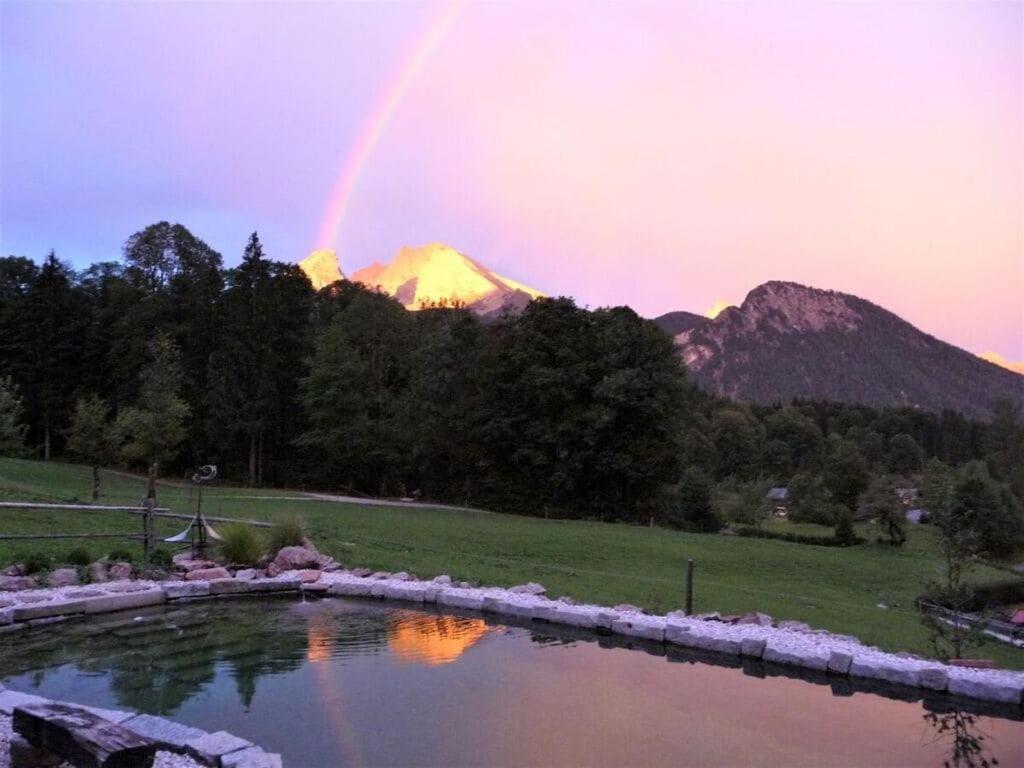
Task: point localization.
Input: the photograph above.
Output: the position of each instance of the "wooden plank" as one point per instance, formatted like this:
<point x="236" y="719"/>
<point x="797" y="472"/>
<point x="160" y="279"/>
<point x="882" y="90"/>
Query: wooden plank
<point x="77" y="507"/>
<point x="81" y="737"/>
<point x="15" y="536"/>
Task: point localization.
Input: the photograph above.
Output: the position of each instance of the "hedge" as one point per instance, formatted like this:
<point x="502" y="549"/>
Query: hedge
<point x="750" y="532"/>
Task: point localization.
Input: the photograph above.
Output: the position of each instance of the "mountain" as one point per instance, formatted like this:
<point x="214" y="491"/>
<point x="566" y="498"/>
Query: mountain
<point x="788" y="340"/>
<point x="674" y="323"/>
<point x="321" y="267"/>
<point x="997" y="359"/>
<point x="437" y="274"/>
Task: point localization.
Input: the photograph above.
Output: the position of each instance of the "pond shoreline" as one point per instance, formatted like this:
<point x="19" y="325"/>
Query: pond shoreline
<point x="798" y="647"/>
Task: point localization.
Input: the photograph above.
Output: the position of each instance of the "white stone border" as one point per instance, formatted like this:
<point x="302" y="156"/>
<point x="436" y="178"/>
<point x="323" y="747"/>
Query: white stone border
<point x="814" y="650"/>
<point x="219" y="749"/>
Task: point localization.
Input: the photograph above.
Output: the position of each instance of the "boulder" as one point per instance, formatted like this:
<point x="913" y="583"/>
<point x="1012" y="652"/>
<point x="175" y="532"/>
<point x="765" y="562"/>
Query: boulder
<point x="97" y="572"/>
<point x="636" y="626"/>
<point x="308" y="576"/>
<point x="362" y="573"/>
<point x="15" y="569"/>
<point x="119" y="571"/>
<point x="934" y="678"/>
<point x="840" y="662"/>
<point x="208" y="574"/>
<point x="627" y="608"/>
<point x="530" y="588"/>
<point x="400" y="576"/>
<point x="444" y="580"/>
<point x="62" y="577"/>
<point x="753" y="647"/>
<point x="888" y="668"/>
<point x="973" y="663"/>
<point x="167" y="733"/>
<point x="187" y="589"/>
<point x="471" y="600"/>
<point x="987" y="687"/>
<point x="251" y="757"/>
<point x="295" y="558"/>
<point x="16" y="583"/>
<point x="211" y="747"/>
<point x="246" y="574"/>
<point x="380" y="575"/>
<point x="229" y="586"/>
<point x="760" y="619"/>
<point x="695" y="637"/>
<point x="787" y="652"/>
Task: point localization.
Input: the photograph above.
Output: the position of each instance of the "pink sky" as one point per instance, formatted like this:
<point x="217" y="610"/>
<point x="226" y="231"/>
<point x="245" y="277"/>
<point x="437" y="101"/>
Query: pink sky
<point x="665" y="156"/>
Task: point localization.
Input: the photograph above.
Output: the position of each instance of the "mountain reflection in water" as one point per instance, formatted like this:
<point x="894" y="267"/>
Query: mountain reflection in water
<point x="341" y="683"/>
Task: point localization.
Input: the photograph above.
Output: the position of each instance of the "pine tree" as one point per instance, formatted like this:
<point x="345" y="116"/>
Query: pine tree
<point x="12" y="429"/>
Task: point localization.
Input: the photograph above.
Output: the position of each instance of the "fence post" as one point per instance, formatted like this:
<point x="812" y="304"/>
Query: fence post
<point x="689" y="586"/>
<point x="147" y="528"/>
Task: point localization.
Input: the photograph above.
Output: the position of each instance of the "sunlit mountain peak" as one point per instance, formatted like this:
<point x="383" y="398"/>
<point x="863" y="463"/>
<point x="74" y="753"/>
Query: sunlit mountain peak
<point x="437" y="274"/>
<point x="322" y="267"/>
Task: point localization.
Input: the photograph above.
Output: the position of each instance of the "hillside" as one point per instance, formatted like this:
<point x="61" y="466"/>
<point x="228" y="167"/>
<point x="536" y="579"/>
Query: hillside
<point x="787" y="340"/>
<point x="674" y="323"/>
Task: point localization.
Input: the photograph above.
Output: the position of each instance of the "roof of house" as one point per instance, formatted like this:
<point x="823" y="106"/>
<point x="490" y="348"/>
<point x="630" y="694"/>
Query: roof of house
<point x="778" y="493"/>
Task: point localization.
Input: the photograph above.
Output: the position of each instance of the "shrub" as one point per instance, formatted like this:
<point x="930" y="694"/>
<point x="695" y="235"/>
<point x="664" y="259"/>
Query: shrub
<point x="286" y="532"/>
<point x="845" y="535"/>
<point x="161" y="558"/>
<point x="240" y="545"/>
<point x="794" y="538"/>
<point x="34" y="562"/>
<point x="78" y="556"/>
<point x="120" y="556"/>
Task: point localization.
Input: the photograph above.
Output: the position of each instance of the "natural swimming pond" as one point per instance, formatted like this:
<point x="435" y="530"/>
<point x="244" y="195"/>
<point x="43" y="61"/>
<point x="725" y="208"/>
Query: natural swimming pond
<point x="357" y="683"/>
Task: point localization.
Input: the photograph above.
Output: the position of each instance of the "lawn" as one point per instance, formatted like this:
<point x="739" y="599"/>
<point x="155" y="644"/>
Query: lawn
<point x="867" y="591"/>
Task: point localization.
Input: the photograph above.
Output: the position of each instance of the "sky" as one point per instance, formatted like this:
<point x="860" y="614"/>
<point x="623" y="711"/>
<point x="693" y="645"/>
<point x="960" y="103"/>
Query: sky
<point x="661" y="155"/>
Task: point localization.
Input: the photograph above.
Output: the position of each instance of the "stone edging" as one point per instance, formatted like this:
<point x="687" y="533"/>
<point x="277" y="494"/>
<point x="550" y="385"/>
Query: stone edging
<point x="218" y="750"/>
<point x="808" y="649"/>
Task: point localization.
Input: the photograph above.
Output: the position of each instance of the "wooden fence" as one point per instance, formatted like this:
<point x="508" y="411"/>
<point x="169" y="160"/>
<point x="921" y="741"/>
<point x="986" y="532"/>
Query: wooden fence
<point x="148" y="513"/>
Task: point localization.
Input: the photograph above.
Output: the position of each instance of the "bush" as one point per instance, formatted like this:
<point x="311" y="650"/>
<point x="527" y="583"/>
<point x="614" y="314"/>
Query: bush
<point x="78" y="556"/>
<point x="240" y="545"/>
<point x="34" y="562"/>
<point x="795" y="538"/>
<point x="286" y="532"/>
<point x="161" y="558"/>
<point x="845" y="535"/>
<point x="120" y="556"/>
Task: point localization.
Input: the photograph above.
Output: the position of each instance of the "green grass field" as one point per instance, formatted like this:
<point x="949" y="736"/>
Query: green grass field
<point x="832" y="588"/>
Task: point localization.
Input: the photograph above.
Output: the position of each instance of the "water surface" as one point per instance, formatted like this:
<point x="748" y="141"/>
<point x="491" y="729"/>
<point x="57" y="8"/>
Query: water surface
<point x="356" y="683"/>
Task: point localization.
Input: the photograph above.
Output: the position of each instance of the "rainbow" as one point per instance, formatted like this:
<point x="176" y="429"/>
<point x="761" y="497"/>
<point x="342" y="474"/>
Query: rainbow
<point x="377" y="121"/>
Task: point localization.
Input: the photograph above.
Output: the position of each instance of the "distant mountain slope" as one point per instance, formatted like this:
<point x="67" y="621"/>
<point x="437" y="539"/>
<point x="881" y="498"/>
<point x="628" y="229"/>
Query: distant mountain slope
<point x="674" y="323"/>
<point x="437" y="274"/>
<point x="788" y="340"/>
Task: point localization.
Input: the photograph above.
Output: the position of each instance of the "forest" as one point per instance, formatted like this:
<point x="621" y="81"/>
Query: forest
<point x="162" y="359"/>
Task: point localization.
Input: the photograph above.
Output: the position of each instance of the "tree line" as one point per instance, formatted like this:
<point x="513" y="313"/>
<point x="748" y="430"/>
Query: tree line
<point x="165" y="359"/>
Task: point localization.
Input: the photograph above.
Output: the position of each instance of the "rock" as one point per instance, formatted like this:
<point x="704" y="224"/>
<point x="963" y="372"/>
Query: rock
<point x="78" y="594"/>
<point x="935" y="678"/>
<point x="985" y="687"/>
<point x="840" y="662"/>
<point x="295" y="558"/>
<point x="16" y="583"/>
<point x="636" y="626"/>
<point x="309" y="546"/>
<point x="794" y="626"/>
<point x="135" y="599"/>
<point x="786" y="652"/>
<point x="362" y="573"/>
<point x="530" y="588"/>
<point x="251" y="757"/>
<point x="25" y="612"/>
<point x="166" y="733"/>
<point x="308" y="576"/>
<point x="888" y="668"/>
<point x="62" y="577"/>
<point x="328" y="564"/>
<point x="186" y="589"/>
<point x="246" y="574"/>
<point x="181" y="558"/>
<point x="400" y="576"/>
<point x="211" y="747"/>
<point x="760" y="619"/>
<point x="274" y="585"/>
<point x="509" y="608"/>
<point x="463" y="585"/>
<point x="273" y="570"/>
<point x="567" y="600"/>
<point x="443" y="580"/>
<point x="380" y="575"/>
<point x="125" y="586"/>
<point x="97" y="572"/>
<point x="752" y="646"/>
<point x="197" y="565"/>
<point x="351" y="588"/>
<point x="471" y="600"/>
<point x="713" y="616"/>
<point x="120" y="571"/>
<point x="6" y="616"/>
<point x="10" y="699"/>
<point x="208" y="574"/>
<point x="14" y="569"/>
<point x="229" y="586"/>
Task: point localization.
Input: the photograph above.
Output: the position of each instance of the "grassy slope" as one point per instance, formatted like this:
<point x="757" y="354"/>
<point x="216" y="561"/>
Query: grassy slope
<point x="837" y="589"/>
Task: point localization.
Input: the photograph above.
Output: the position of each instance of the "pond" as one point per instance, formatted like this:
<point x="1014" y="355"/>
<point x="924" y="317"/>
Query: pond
<point x="354" y="683"/>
